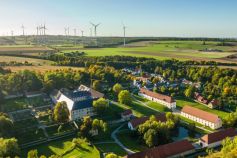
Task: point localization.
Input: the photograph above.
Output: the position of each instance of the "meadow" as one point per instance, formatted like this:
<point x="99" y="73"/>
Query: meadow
<point x="183" y="50"/>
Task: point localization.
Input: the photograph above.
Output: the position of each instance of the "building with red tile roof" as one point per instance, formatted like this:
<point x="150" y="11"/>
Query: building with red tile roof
<point x="175" y="149"/>
<point x="159" y="98"/>
<point x="205" y="118"/>
<point x="214" y="139"/>
<point x="133" y="124"/>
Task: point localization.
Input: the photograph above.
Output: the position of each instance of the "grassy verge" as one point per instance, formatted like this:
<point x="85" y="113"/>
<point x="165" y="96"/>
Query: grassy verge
<point x="158" y="106"/>
<point x="111" y="147"/>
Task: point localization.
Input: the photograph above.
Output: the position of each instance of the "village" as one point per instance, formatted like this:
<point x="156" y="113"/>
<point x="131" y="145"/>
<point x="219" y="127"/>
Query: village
<point x="195" y="130"/>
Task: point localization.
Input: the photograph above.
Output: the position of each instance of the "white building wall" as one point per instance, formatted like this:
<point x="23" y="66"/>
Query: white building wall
<point x="67" y="100"/>
<point x="169" y="105"/>
<point x="130" y="126"/>
<point x="203" y="122"/>
<point x="80" y="113"/>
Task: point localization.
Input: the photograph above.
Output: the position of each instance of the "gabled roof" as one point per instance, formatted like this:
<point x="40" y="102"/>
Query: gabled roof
<point x="219" y="136"/>
<point x="74" y="95"/>
<point x="200" y="114"/>
<point x="138" y="121"/>
<point x="164" y="151"/>
<point x="127" y="112"/>
<point x="95" y="94"/>
<point x="157" y="95"/>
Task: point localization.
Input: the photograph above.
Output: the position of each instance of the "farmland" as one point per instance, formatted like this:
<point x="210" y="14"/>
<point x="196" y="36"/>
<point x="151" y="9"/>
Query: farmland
<point x="182" y="50"/>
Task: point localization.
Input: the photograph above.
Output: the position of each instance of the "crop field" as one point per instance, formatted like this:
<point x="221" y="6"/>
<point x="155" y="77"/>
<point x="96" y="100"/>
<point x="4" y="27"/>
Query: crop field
<point x="42" y="68"/>
<point x="184" y="50"/>
<point x="23" y="59"/>
<point x="30" y="50"/>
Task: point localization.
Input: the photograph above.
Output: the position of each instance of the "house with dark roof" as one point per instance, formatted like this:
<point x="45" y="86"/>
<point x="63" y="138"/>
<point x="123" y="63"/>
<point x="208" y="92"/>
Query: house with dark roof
<point x="214" y="139"/>
<point x="159" y="98"/>
<point x="95" y="94"/>
<point x="127" y="114"/>
<point x="171" y="150"/>
<point x="78" y="102"/>
<point x="205" y="118"/>
<point x="134" y="123"/>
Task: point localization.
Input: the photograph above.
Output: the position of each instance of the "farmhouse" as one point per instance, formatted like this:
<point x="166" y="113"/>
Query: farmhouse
<point x="78" y="102"/>
<point x="127" y="115"/>
<point x="159" y="98"/>
<point x="133" y="124"/>
<point x="171" y="150"/>
<point x="214" y="139"/>
<point x="212" y="104"/>
<point x="202" y="117"/>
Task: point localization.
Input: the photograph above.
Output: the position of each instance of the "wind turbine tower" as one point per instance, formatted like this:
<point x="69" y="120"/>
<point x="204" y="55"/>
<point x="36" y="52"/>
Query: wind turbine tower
<point x="95" y="27"/>
<point x="124" y="35"/>
<point x="82" y="32"/>
<point x="23" y="30"/>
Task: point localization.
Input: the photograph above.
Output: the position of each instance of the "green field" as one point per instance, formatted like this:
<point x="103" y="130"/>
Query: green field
<point x="181" y="102"/>
<point x="111" y="147"/>
<point x="167" y="49"/>
<point x="65" y="148"/>
<point x="182" y="50"/>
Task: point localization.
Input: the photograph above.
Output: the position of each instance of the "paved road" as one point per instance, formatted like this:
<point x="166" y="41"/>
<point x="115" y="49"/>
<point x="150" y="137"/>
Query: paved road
<point x="113" y="135"/>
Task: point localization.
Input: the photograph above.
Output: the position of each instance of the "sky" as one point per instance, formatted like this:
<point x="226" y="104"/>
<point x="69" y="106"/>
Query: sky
<point x="158" y="18"/>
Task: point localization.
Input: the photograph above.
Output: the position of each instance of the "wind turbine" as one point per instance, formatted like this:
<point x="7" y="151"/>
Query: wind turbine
<point x="95" y="27"/>
<point x="68" y="31"/>
<point x="75" y="32"/>
<point x="23" y="30"/>
<point x="82" y="32"/>
<point x="91" y="31"/>
<point x="124" y="34"/>
<point x="44" y="28"/>
<point x="65" y="31"/>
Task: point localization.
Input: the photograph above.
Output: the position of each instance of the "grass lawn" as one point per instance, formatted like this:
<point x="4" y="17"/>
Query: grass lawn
<point x="137" y="108"/>
<point x="106" y="137"/>
<point x="181" y="101"/>
<point x="158" y="106"/>
<point x="64" y="148"/>
<point x="111" y="147"/>
<point x="53" y="130"/>
<point x="129" y="141"/>
<point x="37" y="101"/>
<point x="14" y="104"/>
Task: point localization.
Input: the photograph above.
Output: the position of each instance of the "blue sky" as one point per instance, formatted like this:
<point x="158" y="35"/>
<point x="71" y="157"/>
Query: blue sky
<point x="185" y="18"/>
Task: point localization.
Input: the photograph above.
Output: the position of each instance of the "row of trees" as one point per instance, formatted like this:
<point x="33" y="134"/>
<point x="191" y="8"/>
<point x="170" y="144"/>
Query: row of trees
<point x="19" y="82"/>
<point x="229" y="149"/>
<point x="154" y="132"/>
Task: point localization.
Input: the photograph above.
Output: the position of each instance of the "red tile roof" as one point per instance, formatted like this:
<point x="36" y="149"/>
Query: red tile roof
<point x="138" y="121"/>
<point x="164" y="151"/>
<point x="201" y="114"/>
<point x="127" y="112"/>
<point x="219" y="136"/>
<point x="157" y="95"/>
